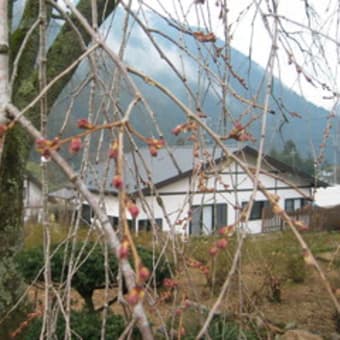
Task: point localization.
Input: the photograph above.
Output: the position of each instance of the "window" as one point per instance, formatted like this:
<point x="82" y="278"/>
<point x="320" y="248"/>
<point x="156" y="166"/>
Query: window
<point x="114" y="221"/>
<point x="206" y="218"/>
<point x="146" y="225"/>
<point x="293" y="204"/>
<point x="87" y="213"/>
<point x="256" y="211"/>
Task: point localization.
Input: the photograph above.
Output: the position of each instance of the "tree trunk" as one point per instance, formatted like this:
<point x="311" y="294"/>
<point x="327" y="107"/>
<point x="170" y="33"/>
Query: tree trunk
<point x="88" y="302"/>
<point x="18" y="145"/>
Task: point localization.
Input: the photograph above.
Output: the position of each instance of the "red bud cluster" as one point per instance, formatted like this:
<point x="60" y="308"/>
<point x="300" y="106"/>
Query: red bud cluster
<point x="133" y="209"/>
<point x="222" y="243"/>
<point x="239" y="133"/>
<point x="227" y="230"/>
<point x="204" y="270"/>
<point x="117" y="182"/>
<point x="44" y="146"/>
<point x="124" y="249"/>
<point x="300" y="225"/>
<point x="114" y="149"/>
<point x="85" y="124"/>
<point x="155" y="145"/>
<point x="143" y="274"/>
<point x="213" y="251"/>
<point x="202" y="37"/>
<point x="170" y="283"/>
<point x="185" y="127"/>
<point x="135" y="295"/>
<point x="199" y="265"/>
<point x="177" y="130"/>
<point x="75" y="145"/>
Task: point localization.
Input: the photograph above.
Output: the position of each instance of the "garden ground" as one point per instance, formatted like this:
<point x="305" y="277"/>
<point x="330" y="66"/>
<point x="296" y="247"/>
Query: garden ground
<point x="274" y="290"/>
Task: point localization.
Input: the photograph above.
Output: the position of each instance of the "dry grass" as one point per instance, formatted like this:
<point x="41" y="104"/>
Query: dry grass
<point x="304" y="305"/>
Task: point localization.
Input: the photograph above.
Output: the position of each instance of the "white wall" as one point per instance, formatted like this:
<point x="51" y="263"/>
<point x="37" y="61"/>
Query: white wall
<point x="176" y="198"/>
<point x="32" y="200"/>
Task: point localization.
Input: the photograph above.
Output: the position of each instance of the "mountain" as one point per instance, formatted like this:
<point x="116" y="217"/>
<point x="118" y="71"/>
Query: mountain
<point x="306" y="131"/>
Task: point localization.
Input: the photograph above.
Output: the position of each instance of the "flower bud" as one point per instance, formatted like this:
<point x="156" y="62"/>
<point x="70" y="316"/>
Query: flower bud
<point x="123" y="251"/>
<point x="135" y="295"/>
<point x="153" y="151"/>
<point x="75" y="145"/>
<point x="85" y="124"/>
<point x="177" y="130"/>
<point x="113" y="152"/>
<point x="117" y="182"/>
<point x="222" y="243"/>
<point x="301" y="226"/>
<point x="144" y="273"/>
<point x="213" y="251"/>
<point x="133" y="209"/>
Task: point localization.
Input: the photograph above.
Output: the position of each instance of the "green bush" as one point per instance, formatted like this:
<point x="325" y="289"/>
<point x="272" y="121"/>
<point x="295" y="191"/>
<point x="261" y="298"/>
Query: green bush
<point x="163" y="268"/>
<point x="90" y="275"/>
<point x="85" y="324"/>
<point x="296" y="268"/>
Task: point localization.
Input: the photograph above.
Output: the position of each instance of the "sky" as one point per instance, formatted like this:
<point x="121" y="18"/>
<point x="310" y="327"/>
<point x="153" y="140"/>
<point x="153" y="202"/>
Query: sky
<point x="248" y="30"/>
<point x="240" y="16"/>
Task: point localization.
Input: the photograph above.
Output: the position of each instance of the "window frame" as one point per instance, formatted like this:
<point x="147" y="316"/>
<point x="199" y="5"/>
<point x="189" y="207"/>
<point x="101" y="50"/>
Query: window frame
<point x="87" y="213"/>
<point x="257" y="204"/>
<point x="148" y="223"/>
<point x="214" y="216"/>
<point x="303" y="202"/>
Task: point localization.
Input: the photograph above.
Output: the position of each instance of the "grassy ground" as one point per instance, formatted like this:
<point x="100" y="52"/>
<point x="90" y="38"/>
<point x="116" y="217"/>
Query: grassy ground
<point x="272" y="290"/>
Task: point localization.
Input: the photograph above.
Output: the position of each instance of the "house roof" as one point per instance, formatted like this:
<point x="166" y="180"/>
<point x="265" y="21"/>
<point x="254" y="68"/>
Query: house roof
<point x="65" y="193"/>
<point x="285" y="168"/>
<point x="165" y="169"/>
<point x="32" y="178"/>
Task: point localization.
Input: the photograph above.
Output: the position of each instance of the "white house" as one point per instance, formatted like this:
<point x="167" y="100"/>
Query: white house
<point x="178" y="200"/>
<point x="32" y="198"/>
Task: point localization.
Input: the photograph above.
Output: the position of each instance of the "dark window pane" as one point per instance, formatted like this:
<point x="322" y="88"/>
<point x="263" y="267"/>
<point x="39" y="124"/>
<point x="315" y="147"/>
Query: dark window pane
<point x="206" y="219"/>
<point x="146" y="225"/>
<point x="289" y="205"/>
<point x="220" y="215"/>
<point x="86" y="213"/>
<point x="293" y="204"/>
<point x="114" y="221"/>
<point x="304" y="202"/>
<point x="196" y="220"/>
<point x="256" y="211"/>
<point x="131" y="225"/>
